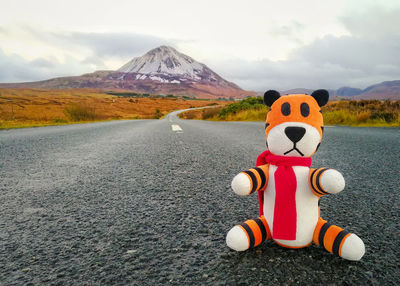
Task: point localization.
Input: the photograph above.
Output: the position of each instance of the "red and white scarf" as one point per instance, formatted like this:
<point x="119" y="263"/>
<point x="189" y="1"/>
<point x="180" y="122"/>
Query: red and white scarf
<point x="285" y="214"/>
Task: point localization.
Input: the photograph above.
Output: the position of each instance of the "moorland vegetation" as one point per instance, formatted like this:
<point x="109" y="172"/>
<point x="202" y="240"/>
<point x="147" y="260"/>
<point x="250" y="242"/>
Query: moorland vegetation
<point x="346" y="112"/>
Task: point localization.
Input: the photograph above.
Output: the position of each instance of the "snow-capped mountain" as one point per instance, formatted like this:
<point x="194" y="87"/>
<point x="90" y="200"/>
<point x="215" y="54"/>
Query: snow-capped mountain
<point x="167" y="65"/>
<point x="162" y="70"/>
<point x="165" y="61"/>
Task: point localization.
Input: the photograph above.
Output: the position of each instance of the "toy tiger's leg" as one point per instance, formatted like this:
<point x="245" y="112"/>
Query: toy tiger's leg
<point x="249" y="234"/>
<point x="338" y="241"/>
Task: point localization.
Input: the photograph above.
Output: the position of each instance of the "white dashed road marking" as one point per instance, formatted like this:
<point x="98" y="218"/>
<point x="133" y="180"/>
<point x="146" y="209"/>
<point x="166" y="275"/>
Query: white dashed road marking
<point x="176" y="128"/>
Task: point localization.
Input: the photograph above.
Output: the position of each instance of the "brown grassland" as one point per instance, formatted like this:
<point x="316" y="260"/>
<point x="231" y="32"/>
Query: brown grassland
<point x="36" y="107"/>
<point x="350" y="113"/>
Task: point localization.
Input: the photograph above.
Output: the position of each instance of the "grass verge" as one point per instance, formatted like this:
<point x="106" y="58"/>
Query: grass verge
<point x="21" y="108"/>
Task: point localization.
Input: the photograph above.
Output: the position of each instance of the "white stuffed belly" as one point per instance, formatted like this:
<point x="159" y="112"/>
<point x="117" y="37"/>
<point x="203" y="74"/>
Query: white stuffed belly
<point x="306" y="207"/>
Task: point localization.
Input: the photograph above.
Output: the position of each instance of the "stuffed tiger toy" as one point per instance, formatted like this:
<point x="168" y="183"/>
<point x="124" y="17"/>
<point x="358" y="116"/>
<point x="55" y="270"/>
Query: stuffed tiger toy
<point x="289" y="190"/>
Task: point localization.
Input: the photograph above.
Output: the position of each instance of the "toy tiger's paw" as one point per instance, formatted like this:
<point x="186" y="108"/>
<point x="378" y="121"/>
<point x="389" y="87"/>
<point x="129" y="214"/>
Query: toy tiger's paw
<point x="353" y="248"/>
<point x="237" y="239"/>
<point x="241" y="184"/>
<point x="332" y="181"/>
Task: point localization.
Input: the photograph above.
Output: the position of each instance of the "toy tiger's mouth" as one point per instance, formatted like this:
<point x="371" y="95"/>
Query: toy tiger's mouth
<point x="294" y="149"/>
<point x="294" y="139"/>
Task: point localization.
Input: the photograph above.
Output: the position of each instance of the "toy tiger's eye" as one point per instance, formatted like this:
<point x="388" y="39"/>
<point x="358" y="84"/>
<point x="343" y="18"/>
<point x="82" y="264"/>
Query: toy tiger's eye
<point x="285" y="109"/>
<point x="304" y="109"/>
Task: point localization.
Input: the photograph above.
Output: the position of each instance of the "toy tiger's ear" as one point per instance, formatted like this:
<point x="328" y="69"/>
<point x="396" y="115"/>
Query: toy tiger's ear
<point x="270" y="96"/>
<point x="321" y="96"/>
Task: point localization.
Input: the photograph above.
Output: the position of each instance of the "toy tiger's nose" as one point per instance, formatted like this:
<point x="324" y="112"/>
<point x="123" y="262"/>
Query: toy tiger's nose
<point x="295" y="133"/>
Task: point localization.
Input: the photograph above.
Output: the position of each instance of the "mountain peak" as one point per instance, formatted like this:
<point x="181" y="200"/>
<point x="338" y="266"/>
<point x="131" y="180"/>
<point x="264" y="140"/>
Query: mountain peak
<point x="162" y="49"/>
<point x="167" y="61"/>
<point x="165" y="65"/>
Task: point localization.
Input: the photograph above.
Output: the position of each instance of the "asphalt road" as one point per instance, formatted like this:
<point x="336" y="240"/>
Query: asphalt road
<point x="136" y="203"/>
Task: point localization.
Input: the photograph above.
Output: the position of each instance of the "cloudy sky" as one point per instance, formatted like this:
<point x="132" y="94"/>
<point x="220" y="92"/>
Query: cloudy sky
<point x="258" y="44"/>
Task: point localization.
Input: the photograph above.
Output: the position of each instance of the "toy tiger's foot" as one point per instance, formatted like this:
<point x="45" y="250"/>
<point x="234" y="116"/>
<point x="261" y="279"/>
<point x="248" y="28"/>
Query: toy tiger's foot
<point x="353" y="248"/>
<point x="338" y="241"/>
<point x="249" y="234"/>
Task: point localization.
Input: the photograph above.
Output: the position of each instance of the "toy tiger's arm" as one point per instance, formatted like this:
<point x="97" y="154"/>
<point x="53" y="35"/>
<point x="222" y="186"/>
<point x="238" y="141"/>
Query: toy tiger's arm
<point x="325" y="181"/>
<point x="247" y="182"/>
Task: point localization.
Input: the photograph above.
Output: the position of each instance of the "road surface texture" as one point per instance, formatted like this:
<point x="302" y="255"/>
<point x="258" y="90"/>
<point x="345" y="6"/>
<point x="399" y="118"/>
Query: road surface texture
<point x="148" y="202"/>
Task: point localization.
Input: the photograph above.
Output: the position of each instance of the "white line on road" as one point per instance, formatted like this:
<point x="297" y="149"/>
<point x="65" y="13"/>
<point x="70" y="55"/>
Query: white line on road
<point x="176" y="128"/>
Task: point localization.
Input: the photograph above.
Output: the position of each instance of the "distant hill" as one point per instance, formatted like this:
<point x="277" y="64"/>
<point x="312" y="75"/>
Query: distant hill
<point x="382" y="91"/>
<point x="297" y="91"/>
<point x="348" y="91"/>
<point x="162" y="70"/>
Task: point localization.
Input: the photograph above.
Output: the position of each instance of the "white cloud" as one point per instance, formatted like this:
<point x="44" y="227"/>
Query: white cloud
<point x="369" y="54"/>
<point x="14" y="68"/>
<point x="103" y="44"/>
<point x="71" y="53"/>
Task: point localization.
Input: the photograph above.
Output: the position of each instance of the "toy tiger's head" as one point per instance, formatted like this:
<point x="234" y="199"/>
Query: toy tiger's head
<point x="294" y="125"/>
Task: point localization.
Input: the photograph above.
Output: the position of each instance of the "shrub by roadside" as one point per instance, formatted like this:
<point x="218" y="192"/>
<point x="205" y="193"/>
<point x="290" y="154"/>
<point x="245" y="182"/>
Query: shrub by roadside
<point x="157" y="114"/>
<point x="208" y="113"/>
<point x="362" y="113"/>
<point x="251" y="103"/>
<point x="80" y="112"/>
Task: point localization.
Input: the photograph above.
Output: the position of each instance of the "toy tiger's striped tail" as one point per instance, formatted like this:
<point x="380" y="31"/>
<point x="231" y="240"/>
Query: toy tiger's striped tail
<point x="248" y="234"/>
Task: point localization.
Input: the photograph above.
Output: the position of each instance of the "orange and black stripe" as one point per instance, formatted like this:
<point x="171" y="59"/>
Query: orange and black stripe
<point x="258" y="177"/>
<point x="330" y="237"/>
<point x="257" y="230"/>
<point x="315" y="181"/>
